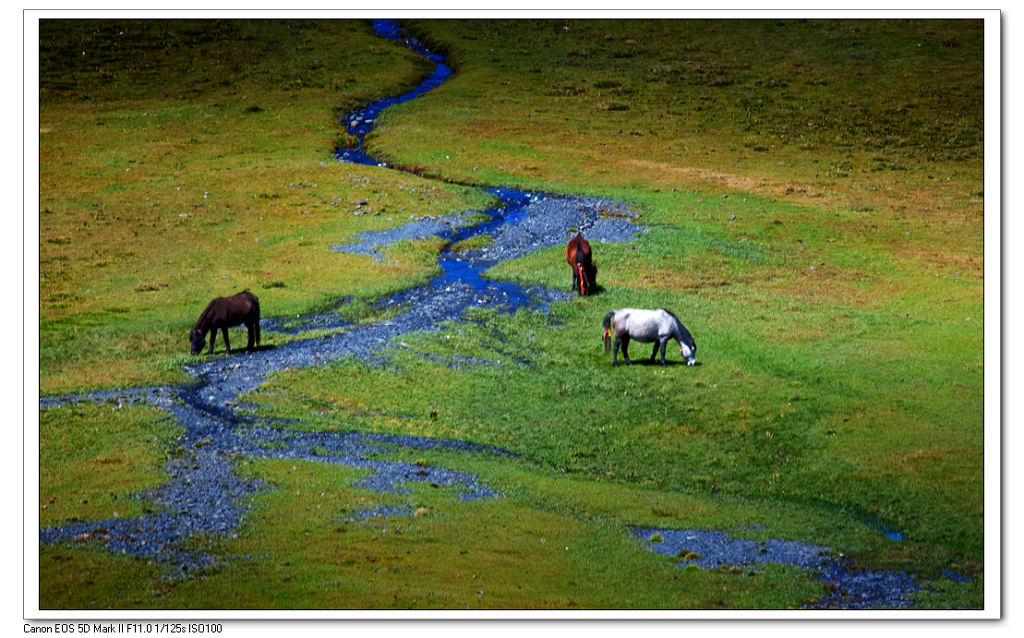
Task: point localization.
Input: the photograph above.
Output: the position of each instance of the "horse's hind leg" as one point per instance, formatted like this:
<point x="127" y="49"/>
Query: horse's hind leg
<point x="625" y="349"/>
<point x="252" y="336"/>
<point x="621" y="341"/>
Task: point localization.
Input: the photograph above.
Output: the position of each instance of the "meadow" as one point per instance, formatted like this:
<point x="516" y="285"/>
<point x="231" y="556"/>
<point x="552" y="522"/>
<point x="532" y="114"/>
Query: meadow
<point x="814" y="203"/>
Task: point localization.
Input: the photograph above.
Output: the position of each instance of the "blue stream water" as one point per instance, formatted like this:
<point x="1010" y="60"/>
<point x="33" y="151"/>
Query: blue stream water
<point x="453" y="268"/>
<point x="362" y="121"/>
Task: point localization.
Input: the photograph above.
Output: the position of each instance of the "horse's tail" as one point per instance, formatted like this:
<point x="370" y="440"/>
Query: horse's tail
<point x="607" y="331"/>
<point x="256" y="311"/>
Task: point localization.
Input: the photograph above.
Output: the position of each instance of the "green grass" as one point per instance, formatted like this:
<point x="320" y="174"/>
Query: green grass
<point x="161" y="187"/>
<point x="503" y="553"/>
<point x="473" y="243"/>
<point x="93" y="459"/>
<point x="745" y="422"/>
<point x="814" y="204"/>
<point x="852" y="112"/>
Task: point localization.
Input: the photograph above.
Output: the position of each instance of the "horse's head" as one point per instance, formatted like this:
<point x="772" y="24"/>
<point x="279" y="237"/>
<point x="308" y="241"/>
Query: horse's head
<point x="196" y="338"/>
<point x="689" y="353"/>
<point x="588" y="277"/>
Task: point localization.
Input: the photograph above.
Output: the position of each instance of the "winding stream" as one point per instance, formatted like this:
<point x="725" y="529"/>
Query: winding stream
<point x="204" y="496"/>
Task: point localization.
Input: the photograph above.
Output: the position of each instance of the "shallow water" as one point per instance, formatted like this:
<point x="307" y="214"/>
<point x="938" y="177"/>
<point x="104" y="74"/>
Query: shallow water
<point x="362" y="121"/>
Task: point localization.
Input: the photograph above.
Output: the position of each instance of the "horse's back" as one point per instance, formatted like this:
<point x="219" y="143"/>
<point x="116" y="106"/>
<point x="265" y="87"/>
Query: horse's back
<point x="241" y="303"/>
<point x="251" y="301"/>
<point x="577" y="247"/>
<point x="234" y="309"/>
<point x="642" y="323"/>
<point x="572" y="248"/>
<point x="584" y="248"/>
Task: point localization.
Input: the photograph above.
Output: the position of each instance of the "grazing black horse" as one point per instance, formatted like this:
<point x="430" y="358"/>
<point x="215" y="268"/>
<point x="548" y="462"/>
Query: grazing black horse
<point x="584" y="272"/>
<point x="227" y="312"/>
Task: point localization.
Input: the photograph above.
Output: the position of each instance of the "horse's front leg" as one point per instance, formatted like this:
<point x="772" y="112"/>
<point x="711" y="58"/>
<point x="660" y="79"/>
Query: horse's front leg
<point x="213" y="337"/>
<point x="661" y="343"/>
<point x="227" y="344"/>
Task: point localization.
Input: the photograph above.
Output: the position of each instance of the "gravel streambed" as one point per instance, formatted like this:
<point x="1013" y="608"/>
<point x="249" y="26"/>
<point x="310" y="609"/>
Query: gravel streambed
<point x="204" y="496"/>
<point x="844" y="588"/>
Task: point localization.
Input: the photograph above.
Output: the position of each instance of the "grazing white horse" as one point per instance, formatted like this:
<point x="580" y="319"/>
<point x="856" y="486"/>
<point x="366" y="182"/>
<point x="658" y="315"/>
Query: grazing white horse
<point x="646" y="326"/>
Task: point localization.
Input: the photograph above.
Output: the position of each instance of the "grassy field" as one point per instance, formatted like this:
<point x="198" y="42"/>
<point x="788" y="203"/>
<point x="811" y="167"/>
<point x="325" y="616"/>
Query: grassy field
<point x="815" y="206"/>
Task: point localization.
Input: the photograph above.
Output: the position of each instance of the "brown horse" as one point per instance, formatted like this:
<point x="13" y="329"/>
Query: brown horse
<point x="227" y="312"/>
<point x="584" y="272"/>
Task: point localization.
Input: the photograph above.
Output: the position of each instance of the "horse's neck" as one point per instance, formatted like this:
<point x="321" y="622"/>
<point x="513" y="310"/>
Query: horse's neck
<point x="681" y="335"/>
<point x="203" y="324"/>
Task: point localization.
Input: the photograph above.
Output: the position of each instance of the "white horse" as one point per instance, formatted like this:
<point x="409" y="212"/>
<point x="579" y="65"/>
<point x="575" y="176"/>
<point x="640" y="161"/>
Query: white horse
<point x="646" y="326"/>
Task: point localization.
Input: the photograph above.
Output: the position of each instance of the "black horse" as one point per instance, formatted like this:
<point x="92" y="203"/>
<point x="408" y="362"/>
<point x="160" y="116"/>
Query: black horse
<point x="227" y="312"/>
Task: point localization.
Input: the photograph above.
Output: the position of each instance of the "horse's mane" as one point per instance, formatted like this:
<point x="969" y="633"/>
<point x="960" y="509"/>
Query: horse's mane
<point x="202" y="320"/>
<point x="671" y="314"/>
<point x="682" y="329"/>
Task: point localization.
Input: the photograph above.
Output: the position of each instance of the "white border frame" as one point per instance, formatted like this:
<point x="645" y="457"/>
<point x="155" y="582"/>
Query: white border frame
<point x="993" y="399"/>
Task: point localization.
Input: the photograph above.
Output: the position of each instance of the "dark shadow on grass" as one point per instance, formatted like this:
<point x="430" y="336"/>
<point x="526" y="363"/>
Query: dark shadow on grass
<point x="204" y="355"/>
<point x="594" y="290"/>
<point x="669" y="363"/>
